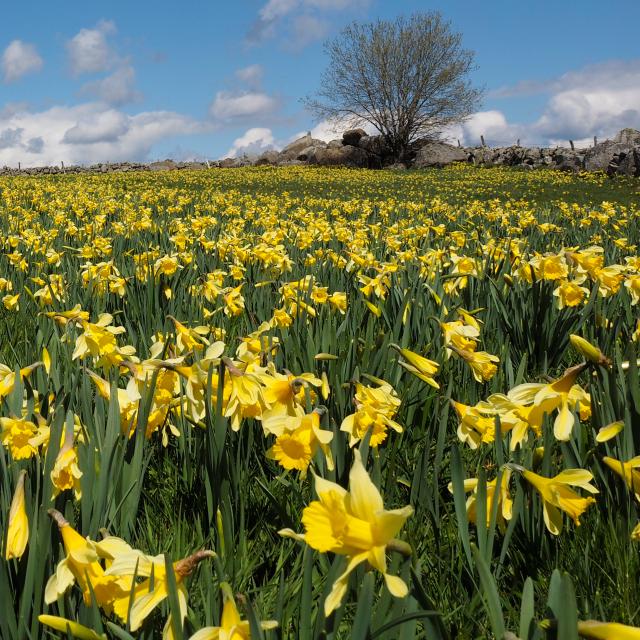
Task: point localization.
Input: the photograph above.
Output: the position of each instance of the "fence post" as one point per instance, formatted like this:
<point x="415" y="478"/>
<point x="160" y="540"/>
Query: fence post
<point x="595" y="141"/>
<point x="482" y="140"/>
<point x="573" y="147"/>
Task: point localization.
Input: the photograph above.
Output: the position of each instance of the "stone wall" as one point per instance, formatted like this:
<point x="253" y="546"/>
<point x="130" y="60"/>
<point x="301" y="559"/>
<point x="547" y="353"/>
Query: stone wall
<point x="620" y="156"/>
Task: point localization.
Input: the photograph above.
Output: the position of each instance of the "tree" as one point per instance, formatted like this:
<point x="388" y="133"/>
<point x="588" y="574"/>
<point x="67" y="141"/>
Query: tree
<point x="408" y="78"/>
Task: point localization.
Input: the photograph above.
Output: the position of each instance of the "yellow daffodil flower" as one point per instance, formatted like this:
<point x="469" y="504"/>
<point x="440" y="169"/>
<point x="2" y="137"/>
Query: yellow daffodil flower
<point x="355" y="524"/>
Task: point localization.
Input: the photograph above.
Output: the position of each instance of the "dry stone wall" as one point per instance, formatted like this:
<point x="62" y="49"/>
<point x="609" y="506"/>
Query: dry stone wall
<point x="620" y="156"/>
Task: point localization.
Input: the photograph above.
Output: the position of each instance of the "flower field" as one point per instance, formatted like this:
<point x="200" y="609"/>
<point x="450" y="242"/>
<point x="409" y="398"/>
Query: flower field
<point x="320" y="403"/>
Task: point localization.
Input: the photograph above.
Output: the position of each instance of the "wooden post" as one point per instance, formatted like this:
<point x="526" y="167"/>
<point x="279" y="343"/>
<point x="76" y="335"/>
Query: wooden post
<point x="482" y="141"/>
<point x="19" y="166"/>
<point x="459" y="142"/>
<point x="518" y="143"/>
<point x="62" y="165"/>
<point x="595" y="141"/>
<point x="573" y="146"/>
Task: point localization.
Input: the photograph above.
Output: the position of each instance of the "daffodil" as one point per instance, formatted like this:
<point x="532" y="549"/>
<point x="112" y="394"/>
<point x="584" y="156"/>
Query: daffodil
<point x="483" y="364"/>
<point x="298" y="438"/>
<point x="609" y="431"/>
<point x="563" y="394"/>
<point x="629" y="471"/>
<point x="18" y="529"/>
<point x="65" y="626"/>
<point x="375" y="409"/>
<point x="594" y="630"/>
<point x="82" y="565"/>
<point x="501" y="495"/>
<point x="147" y="594"/>
<point x="19" y="435"/>
<point x="355" y="524"/>
<point x="557" y="496"/>
<point x="419" y="366"/>
<point x="232" y="626"/>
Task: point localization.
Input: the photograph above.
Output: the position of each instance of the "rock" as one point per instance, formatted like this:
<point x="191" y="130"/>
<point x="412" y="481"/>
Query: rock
<point x="373" y="144"/>
<point x="163" y="165"/>
<point x="438" y="154"/>
<point x="600" y="156"/>
<point x="630" y="137"/>
<point x="352" y="136"/>
<point x="308" y="154"/>
<point x="397" y="166"/>
<point x="234" y="163"/>
<point x="292" y="150"/>
<point x="568" y="160"/>
<point x="334" y="144"/>
<point x="268" y="157"/>
<point x="348" y="156"/>
<point x="629" y="164"/>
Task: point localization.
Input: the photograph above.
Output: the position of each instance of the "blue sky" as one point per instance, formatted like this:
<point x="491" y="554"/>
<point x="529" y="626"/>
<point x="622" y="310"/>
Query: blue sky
<point x="89" y="82"/>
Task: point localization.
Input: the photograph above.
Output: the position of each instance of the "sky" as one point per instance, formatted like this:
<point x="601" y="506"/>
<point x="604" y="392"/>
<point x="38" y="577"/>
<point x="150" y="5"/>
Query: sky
<point x="85" y="82"/>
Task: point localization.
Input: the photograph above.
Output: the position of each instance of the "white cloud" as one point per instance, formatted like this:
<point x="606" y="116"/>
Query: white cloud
<point x="597" y="100"/>
<point x="89" y="51"/>
<point x="251" y="75"/>
<point x="98" y="126"/>
<point x="253" y="142"/>
<point x="116" y="89"/>
<point x="19" y="59"/>
<point x="228" y="106"/>
<point x="87" y="133"/>
<point x="276" y="11"/>
<point x="305" y="30"/>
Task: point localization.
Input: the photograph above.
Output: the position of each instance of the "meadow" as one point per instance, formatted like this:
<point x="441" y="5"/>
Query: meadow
<point x="320" y="403"/>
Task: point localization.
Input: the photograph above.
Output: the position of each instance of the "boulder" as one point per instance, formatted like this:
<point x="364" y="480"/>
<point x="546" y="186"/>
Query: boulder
<point x="293" y="149"/>
<point x="629" y="163"/>
<point x="334" y="144"/>
<point x="308" y="154"/>
<point x="348" y="156"/>
<point x="268" y="157"/>
<point x="568" y="160"/>
<point x="438" y="154"/>
<point x="163" y="165"/>
<point x="374" y="145"/>
<point x="630" y="137"/>
<point x="352" y="136"/>
<point x="233" y="163"/>
<point x="602" y="155"/>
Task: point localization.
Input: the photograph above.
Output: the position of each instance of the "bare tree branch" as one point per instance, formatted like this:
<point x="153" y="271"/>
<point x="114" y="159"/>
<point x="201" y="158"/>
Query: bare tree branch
<point x="408" y="78"/>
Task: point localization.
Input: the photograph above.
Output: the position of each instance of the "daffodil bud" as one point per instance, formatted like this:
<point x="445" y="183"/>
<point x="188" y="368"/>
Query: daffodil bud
<point x="589" y="351"/>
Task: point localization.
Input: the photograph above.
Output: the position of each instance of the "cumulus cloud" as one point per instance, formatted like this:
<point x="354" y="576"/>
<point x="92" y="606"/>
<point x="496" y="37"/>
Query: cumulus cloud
<point x="253" y="142"/>
<point x="86" y="133"/>
<point x="597" y="100"/>
<point x="116" y="89"/>
<point x="251" y="75"/>
<point x="89" y="50"/>
<point x="229" y="106"/>
<point x="274" y="12"/>
<point x="19" y="59"/>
